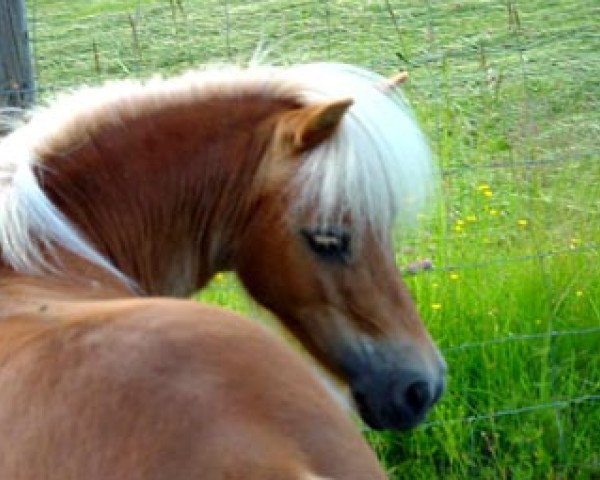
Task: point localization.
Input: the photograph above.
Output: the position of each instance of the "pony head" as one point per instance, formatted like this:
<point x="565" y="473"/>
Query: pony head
<point x="342" y="167"/>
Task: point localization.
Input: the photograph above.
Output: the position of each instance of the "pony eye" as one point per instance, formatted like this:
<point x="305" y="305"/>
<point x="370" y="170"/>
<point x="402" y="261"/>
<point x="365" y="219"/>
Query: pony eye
<point x="329" y="244"/>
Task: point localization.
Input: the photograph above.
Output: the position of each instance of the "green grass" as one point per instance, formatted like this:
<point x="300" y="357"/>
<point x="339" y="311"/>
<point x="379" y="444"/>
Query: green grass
<point x="508" y="94"/>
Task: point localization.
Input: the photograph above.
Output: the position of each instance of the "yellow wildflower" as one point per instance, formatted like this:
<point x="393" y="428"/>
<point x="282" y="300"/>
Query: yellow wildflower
<point x="522" y="222"/>
<point x="487" y="193"/>
<point x="436" y="306"/>
<point x="483" y="187"/>
<point x="454" y="276"/>
<point x="579" y="293"/>
<point x="493" y="212"/>
<point x="471" y="218"/>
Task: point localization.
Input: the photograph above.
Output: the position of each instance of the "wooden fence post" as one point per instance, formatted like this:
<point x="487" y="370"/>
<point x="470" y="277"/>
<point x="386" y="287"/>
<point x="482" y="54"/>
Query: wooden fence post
<point x="16" y="71"/>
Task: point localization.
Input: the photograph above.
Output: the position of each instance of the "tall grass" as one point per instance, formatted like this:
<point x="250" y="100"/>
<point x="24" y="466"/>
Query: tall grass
<point x="508" y="94"/>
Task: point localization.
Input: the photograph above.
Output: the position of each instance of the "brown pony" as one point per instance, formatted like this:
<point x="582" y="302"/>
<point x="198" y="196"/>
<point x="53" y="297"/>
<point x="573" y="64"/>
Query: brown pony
<point x="291" y="177"/>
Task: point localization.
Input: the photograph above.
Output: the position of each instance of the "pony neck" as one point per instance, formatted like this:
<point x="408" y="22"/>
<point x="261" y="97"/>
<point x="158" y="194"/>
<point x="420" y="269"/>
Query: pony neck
<point x="163" y="194"/>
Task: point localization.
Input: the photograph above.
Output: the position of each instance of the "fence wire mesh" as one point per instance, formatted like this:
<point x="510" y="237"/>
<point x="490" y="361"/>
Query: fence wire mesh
<point x="508" y="93"/>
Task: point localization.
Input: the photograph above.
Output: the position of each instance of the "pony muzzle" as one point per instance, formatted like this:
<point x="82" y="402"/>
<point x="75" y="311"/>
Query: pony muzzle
<point x="394" y="388"/>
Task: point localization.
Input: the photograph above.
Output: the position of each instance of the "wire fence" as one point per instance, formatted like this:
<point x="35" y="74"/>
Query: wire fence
<point x="507" y="91"/>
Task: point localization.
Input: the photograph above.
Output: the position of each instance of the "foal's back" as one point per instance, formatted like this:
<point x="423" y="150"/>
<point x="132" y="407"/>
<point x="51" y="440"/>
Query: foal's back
<point x="163" y="389"/>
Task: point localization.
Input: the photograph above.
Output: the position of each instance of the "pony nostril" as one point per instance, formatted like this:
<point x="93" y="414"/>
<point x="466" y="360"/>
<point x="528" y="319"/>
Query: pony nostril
<point x="360" y="399"/>
<point x="417" y="396"/>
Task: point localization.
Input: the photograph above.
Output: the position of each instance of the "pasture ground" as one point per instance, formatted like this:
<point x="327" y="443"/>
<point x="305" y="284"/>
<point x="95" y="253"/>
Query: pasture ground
<point x="508" y="93"/>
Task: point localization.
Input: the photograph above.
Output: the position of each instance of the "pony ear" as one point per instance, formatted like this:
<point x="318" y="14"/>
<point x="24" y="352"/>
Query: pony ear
<point x="394" y="81"/>
<point x="306" y="127"/>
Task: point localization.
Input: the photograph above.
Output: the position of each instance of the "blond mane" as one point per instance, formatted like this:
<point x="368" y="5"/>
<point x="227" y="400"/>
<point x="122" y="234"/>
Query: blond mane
<point x="376" y="167"/>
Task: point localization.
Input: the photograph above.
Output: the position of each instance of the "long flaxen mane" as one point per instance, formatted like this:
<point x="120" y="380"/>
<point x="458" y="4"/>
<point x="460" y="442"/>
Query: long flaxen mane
<point x="376" y="167"/>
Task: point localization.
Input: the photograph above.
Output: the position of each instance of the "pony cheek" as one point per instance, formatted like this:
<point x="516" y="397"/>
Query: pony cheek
<point x="278" y="278"/>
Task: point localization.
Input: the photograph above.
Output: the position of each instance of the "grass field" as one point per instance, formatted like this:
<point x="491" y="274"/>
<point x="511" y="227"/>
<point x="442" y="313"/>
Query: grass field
<point x="509" y="95"/>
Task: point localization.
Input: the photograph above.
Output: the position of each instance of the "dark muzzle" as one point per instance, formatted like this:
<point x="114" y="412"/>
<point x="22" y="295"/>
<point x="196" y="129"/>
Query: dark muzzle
<point x="394" y="388"/>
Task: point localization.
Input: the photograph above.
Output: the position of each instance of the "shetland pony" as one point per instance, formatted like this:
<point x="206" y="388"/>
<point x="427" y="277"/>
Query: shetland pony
<point x="291" y="177"/>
